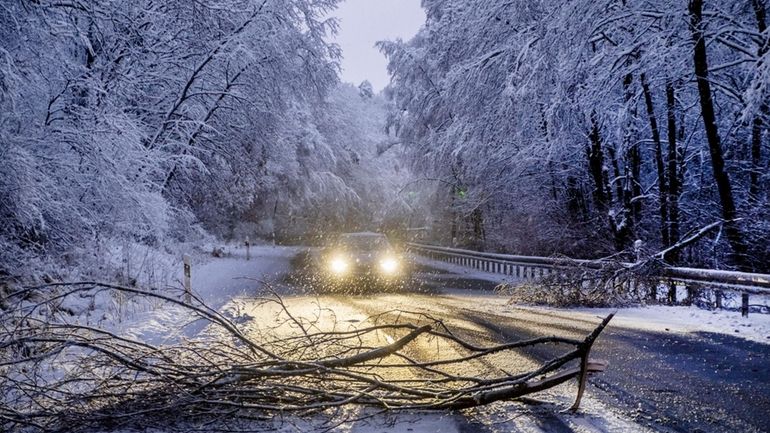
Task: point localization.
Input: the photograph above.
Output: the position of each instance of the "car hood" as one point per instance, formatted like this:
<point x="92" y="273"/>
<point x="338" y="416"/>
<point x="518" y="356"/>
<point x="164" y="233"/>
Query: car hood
<point x="367" y="257"/>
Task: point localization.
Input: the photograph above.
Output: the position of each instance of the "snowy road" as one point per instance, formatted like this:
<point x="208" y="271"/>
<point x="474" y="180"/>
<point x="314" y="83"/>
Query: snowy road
<point x="658" y="380"/>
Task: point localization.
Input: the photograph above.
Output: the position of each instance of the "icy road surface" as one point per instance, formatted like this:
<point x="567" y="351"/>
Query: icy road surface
<point x="680" y="377"/>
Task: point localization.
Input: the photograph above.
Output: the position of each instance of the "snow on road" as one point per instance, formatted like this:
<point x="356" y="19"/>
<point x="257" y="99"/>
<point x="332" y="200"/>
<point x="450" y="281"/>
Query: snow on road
<point x="339" y="312"/>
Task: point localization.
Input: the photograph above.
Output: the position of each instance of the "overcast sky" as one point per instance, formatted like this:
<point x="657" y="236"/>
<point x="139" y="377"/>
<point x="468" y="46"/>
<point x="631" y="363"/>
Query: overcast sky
<point x="364" y="22"/>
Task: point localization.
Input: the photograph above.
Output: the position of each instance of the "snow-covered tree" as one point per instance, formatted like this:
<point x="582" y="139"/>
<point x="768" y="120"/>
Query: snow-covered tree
<point x="144" y="120"/>
<point x="577" y="127"/>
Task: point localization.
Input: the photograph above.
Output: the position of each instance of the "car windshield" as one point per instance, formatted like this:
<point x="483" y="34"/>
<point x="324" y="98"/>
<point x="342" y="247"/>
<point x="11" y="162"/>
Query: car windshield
<point x="364" y="242"/>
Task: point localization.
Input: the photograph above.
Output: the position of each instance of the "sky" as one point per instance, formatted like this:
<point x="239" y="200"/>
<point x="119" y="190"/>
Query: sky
<point x="364" y="22"/>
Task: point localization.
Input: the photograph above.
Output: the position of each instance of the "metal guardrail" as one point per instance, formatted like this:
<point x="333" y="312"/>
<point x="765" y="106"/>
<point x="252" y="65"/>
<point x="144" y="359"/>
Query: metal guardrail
<point x="532" y="267"/>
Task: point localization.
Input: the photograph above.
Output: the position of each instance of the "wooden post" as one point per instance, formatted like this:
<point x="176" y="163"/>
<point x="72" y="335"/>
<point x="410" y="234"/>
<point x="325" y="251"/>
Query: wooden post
<point x="745" y="304"/>
<point x="671" y="293"/>
<point x="248" y="252"/>
<point x="718" y="299"/>
<point x="187" y="278"/>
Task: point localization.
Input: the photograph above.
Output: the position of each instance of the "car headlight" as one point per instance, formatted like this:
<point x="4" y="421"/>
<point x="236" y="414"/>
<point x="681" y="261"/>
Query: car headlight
<point x="389" y="265"/>
<point x="338" y="265"/>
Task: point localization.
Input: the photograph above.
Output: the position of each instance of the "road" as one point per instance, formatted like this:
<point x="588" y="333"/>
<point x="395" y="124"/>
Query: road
<point x="667" y="382"/>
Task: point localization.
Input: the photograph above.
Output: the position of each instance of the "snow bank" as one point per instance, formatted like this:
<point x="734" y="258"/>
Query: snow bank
<point x="215" y="281"/>
<point x="680" y="319"/>
<point x="222" y="279"/>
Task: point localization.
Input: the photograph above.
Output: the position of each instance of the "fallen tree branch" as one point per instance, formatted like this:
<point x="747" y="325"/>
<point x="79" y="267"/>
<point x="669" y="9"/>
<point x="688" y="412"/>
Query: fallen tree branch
<point x="60" y="374"/>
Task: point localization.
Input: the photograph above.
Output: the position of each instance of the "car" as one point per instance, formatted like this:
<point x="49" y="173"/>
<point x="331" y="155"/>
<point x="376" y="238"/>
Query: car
<point x="357" y="261"/>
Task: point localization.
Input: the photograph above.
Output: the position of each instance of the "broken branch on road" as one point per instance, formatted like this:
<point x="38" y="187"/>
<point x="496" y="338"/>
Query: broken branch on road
<point x="57" y="372"/>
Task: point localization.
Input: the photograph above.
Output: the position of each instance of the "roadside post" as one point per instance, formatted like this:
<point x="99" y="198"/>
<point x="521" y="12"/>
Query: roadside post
<point x="187" y="284"/>
<point x="248" y="253"/>
<point x="745" y="304"/>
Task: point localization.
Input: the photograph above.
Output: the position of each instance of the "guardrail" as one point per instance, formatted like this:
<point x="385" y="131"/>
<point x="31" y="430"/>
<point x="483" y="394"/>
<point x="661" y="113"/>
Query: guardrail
<point x="532" y="267"/>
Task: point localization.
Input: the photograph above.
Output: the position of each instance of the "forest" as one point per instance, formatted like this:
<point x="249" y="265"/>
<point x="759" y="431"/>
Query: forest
<point x="142" y="125"/>
<point x="578" y="128"/>
<point x="533" y="127"/>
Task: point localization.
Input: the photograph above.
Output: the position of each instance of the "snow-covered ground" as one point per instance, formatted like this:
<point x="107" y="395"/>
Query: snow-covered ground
<point x="216" y="281"/>
<point x="655" y="318"/>
<point x="220" y="279"/>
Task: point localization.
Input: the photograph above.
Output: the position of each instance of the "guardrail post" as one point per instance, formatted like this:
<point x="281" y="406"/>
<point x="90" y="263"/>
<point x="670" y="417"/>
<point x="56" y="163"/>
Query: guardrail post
<point x="745" y="304"/>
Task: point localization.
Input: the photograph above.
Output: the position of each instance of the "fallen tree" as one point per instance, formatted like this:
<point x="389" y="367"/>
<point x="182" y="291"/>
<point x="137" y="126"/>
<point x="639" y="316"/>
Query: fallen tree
<point x="610" y="282"/>
<point x="57" y="373"/>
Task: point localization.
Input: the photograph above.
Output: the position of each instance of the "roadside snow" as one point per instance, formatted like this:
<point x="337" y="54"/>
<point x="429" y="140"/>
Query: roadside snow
<point x="657" y="318"/>
<point x="654" y="318"/>
<point x="216" y="281"/>
<point x="222" y="279"/>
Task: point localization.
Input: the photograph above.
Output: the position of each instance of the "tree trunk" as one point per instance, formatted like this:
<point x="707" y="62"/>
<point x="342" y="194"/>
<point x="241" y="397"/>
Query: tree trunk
<point x="662" y="184"/>
<point x="673" y="172"/>
<point x="631" y="186"/>
<point x="721" y="177"/>
<point x="756" y="158"/>
<point x="479" y="235"/>
<point x="596" y="165"/>
<point x="757" y="125"/>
